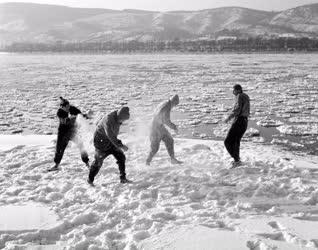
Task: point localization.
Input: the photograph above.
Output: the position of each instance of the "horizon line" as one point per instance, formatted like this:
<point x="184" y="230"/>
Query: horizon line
<point x="179" y="10"/>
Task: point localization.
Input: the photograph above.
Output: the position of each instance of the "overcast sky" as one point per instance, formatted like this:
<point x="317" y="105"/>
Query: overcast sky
<point x="166" y="5"/>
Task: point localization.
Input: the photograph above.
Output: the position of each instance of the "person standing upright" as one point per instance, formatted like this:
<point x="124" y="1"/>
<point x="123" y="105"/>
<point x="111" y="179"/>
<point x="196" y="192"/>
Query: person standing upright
<point x="239" y="114"/>
<point x="158" y="131"/>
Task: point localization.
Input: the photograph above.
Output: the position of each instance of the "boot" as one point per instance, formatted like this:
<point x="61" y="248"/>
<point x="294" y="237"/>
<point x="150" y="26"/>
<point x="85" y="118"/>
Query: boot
<point x="124" y="180"/>
<point x="175" y="161"/>
<point x="54" y="168"/>
<point x="236" y="164"/>
<point x="90" y="183"/>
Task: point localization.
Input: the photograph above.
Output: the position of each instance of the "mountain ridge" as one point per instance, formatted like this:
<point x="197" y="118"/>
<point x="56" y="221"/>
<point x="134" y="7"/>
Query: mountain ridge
<point x="30" y="22"/>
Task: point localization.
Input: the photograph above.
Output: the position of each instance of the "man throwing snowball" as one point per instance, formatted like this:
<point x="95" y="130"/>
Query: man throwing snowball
<point x="106" y="143"/>
<point x="67" y="131"/>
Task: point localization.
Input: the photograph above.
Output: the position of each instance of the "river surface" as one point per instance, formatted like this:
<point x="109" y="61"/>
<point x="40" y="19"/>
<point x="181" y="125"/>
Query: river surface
<point x="283" y="89"/>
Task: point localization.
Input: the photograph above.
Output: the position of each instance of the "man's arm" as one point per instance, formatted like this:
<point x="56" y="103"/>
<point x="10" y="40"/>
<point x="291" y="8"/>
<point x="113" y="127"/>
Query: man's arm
<point x="74" y="111"/>
<point x="166" y="110"/>
<point x="168" y="121"/>
<point x="107" y="125"/>
<point x="237" y="108"/>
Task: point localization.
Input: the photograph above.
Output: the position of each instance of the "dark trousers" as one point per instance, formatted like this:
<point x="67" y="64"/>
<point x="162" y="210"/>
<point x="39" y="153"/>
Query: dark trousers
<point x="63" y="138"/>
<point x="100" y="156"/>
<point x="234" y="136"/>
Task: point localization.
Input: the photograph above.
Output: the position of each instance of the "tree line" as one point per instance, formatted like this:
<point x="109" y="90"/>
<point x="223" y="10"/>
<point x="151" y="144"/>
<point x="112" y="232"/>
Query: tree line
<point x="176" y="45"/>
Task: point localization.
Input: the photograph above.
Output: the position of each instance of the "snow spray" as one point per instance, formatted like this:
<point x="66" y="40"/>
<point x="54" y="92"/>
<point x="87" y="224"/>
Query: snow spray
<point x="84" y="133"/>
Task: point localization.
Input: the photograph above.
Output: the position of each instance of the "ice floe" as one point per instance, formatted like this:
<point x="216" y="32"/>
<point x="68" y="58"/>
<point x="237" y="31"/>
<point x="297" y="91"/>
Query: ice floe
<point x="282" y="91"/>
<point x="299" y="129"/>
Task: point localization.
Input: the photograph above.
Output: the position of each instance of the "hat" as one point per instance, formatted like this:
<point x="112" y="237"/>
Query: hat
<point x="238" y="87"/>
<point x="175" y="99"/>
<point x="124" y="112"/>
<point x="63" y="102"/>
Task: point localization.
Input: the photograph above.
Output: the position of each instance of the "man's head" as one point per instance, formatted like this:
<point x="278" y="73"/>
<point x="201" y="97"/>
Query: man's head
<point x="175" y="100"/>
<point x="123" y="114"/>
<point x="65" y="104"/>
<point x="237" y="89"/>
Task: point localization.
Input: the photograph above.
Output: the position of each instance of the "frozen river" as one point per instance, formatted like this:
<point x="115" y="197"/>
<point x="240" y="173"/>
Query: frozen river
<point x="283" y="90"/>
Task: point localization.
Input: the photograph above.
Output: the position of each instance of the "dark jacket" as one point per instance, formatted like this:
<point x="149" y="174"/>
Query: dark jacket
<point x="67" y="119"/>
<point x="241" y="107"/>
<point x="107" y="131"/>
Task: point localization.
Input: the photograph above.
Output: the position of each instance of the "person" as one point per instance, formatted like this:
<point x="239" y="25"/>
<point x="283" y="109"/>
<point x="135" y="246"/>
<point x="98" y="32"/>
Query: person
<point x="239" y="114"/>
<point x="106" y="143"/>
<point x="67" y="132"/>
<point x="159" y="132"/>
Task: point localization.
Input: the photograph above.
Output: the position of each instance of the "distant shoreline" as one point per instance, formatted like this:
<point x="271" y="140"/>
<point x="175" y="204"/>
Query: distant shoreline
<point x="228" y="45"/>
<point x="157" y="53"/>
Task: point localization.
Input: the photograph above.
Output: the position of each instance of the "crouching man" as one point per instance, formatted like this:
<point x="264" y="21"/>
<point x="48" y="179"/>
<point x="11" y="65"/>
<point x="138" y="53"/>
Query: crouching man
<point x="106" y="143"/>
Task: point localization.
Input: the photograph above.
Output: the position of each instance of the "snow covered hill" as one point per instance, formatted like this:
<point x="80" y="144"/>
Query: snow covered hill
<point x="303" y="19"/>
<point x="49" y="23"/>
<point x="269" y="203"/>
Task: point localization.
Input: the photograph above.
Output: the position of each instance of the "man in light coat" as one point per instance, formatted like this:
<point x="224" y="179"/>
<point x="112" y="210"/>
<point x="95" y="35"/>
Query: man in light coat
<point x="160" y="133"/>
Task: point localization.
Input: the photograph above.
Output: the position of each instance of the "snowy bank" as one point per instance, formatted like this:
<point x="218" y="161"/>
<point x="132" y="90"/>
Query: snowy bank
<point x="271" y="202"/>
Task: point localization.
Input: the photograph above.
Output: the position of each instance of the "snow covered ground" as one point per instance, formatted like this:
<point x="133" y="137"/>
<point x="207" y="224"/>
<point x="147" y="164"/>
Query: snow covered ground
<point x="269" y="203"/>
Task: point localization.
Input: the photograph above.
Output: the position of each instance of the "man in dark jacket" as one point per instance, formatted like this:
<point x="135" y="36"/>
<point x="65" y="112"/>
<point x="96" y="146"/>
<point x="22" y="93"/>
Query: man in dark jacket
<point x="239" y="114"/>
<point x="67" y="132"/>
<point x="106" y="143"/>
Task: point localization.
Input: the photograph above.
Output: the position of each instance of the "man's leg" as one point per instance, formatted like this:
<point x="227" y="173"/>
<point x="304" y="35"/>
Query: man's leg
<point x="231" y="140"/>
<point x="169" y="143"/>
<point x="121" y="161"/>
<point x="241" y="128"/>
<point x="84" y="157"/>
<point x="168" y="140"/>
<point x="154" y="147"/>
<point x="80" y="145"/>
<point x="61" y="144"/>
<point x="96" y="165"/>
